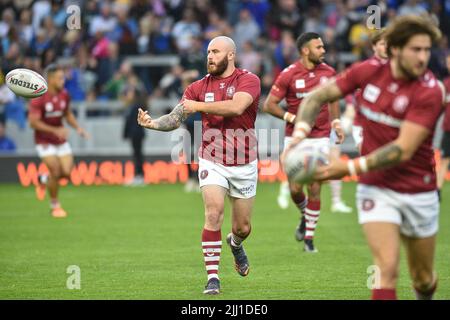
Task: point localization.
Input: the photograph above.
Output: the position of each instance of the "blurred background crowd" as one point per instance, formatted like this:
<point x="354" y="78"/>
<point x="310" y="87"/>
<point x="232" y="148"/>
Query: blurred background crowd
<point x="35" y="33"/>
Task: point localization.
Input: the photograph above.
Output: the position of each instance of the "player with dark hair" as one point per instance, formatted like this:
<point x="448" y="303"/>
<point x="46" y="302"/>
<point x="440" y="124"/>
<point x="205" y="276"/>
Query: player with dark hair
<point x="46" y="116"/>
<point x="227" y="98"/>
<point x="396" y="196"/>
<point x="293" y="84"/>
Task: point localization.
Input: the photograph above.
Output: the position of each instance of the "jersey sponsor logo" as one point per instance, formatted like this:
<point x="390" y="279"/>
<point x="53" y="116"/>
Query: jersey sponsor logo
<point x="371" y="93"/>
<point x="203" y="174"/>
<point x="48" y="107"/>
<point x="230" y="91"/>
<point x="300" y="83"/>
<point x="380" y="117"/>
<point x="54" y="114"/>
<point x="301" y="95"/>
<point x="368" y="204"/>
<point x="209" y="97"/>
<point x="400" y="103"/>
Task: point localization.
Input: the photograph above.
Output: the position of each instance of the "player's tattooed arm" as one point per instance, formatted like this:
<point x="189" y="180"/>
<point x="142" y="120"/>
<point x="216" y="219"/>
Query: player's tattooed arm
<point x="310" y="106"/>
<point x="401" y="149"/>
<point x="167" y="122"/>
<point x="411" y="136"/>
<point x="386" y="156"/>
<point x="172" y="120"/>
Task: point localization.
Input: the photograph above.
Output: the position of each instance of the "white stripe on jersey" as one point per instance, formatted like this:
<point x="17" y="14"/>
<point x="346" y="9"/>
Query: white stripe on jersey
<point x="380" y="117"/>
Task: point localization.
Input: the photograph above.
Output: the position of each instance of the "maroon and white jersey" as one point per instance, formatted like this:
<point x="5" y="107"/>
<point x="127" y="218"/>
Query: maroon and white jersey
<point x="230" y="141"/>
<point x="384" y="104"/>
<point x="51" y="109"/>
<point x="446" y="124"/>
<point x="294" y="83"/>
<point x="358" y="121"/>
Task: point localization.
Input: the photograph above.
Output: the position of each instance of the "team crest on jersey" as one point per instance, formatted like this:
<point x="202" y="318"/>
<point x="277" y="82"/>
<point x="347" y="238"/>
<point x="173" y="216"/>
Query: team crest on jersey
<point x="368" y="204"/>
<point x="49" y="107"/>
<point x="371" y="93"/>
<point x="203" y="174"/>
<point x="393" y="87"/>
<point x="300" y="83"/>
<point x="230" y="91"/>
<point x="400" y="103"/>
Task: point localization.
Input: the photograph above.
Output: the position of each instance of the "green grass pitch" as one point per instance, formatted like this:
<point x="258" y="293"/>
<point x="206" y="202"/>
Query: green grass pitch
<point x="144" y="243"/>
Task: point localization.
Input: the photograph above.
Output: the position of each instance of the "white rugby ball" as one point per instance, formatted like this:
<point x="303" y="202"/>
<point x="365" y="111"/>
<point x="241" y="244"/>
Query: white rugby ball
<point x="301" y="162"/>
<point x="26" y="83"/>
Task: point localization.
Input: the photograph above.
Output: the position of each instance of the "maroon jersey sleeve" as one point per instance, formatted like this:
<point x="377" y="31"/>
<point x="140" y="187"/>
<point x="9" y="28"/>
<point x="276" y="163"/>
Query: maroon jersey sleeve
<point x="36" y="106"/>
<point x="189" y="93"/>
<point x="192" y="91"/>
<point x="426" y="107"/>
<point x="353" y="77"/>
<point x="250" y="84"/>
<point x="281" y="85"/>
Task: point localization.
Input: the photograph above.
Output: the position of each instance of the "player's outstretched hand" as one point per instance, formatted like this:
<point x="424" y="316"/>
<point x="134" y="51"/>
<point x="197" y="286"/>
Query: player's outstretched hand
<point x="83" y="133"/>
<point x="144" y="119"/>
<point x="336" y="169"/>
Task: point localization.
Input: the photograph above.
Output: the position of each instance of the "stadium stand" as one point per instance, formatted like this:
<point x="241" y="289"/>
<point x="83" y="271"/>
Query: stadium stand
<point x="164" y="41"/>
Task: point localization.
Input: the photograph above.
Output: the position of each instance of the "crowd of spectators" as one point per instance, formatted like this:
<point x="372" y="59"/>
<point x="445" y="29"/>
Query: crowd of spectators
<point x="35" y="33"/>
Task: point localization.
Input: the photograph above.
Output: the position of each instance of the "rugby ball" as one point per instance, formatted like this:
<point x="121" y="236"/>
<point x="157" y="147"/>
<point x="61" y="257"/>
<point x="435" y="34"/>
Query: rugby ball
<point x="301" y="162"/>
<point x="26" y="83"/>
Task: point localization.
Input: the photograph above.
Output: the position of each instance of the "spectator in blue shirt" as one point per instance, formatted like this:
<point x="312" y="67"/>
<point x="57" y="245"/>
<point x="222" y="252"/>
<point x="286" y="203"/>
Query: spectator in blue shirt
<point x="6" y="144"/>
